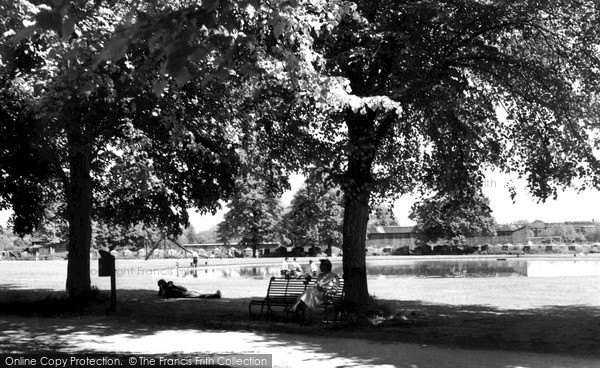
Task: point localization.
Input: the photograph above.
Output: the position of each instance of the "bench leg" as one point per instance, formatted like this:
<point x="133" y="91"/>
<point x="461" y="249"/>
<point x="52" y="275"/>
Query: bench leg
<point x="262" y="308"/>
<point x="330" y="308"/>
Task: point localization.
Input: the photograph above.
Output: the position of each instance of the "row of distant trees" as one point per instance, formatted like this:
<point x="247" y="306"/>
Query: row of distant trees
<point x="313" y="218"/>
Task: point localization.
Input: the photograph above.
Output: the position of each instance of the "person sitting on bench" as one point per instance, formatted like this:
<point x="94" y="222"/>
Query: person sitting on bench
<point x="296" y="269"/>
<point x="313" y="269"/>
<point x="327" y="283"/>
<point x="170" y="290"/>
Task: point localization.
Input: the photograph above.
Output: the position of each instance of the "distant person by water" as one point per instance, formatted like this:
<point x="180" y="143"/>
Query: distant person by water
<point x="195" y="259"/>
<point x="313" y="269"/>
<point x="296" y="269"/>
<point x="285" y="267"/>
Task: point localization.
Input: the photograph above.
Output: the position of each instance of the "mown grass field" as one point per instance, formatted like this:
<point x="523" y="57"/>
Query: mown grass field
<point x="514" y="321"/>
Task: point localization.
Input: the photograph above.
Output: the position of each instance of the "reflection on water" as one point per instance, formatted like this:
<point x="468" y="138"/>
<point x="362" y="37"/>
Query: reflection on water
<point x="421" y="268"/>
<point x="563" y="268"/>
<point x="467" y="268"/>
<point x="252" y="272"/>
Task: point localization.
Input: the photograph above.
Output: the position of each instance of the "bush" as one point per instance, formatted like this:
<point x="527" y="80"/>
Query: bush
<point x="494" y="251"/>
<point x="21" y="243"/>
<point x="421" y="250"/>
<point x="401" y="251"/>
<point x="533" y="250"/>
<point x="297" y="251"/>
<point x="280" y="252"/>
<point x="314" y="251"/>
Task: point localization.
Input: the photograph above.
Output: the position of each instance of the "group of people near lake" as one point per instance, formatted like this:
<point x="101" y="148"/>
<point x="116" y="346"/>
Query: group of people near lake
<point x="327" y="284"/>
<point x="293" y="269"/>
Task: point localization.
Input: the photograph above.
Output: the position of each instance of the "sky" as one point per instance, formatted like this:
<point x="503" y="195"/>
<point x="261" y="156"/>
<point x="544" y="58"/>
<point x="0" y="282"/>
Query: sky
<point x="569" y="206"/>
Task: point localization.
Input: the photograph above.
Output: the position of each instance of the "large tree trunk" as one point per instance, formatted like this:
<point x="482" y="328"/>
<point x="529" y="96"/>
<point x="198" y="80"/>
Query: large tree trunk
<point x="356" y="216"/>
<point x="79" y="204"/>
<point x="357" y="189"/>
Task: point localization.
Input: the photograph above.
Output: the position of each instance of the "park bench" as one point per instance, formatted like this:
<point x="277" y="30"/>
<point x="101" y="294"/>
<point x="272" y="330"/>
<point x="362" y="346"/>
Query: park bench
<point x="284" y="292"/>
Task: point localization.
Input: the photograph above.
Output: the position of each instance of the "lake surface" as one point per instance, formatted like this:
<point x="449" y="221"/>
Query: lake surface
<point x="140" y="274"/>
<point x="511" y="267"/>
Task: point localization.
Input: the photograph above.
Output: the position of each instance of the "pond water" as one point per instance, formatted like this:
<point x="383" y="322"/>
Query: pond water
<point x="140" y="274"/>
<point x="427" y="269"/>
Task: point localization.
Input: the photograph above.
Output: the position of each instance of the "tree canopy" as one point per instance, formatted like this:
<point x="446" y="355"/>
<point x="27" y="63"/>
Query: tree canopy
<point x="382" y="215"/>
<point x="447" y="67"/>
<point x="254" y="209"/>
<point x="315" y="217"/>
<point x="451" y="218"/>
<point x="98" y="136"/>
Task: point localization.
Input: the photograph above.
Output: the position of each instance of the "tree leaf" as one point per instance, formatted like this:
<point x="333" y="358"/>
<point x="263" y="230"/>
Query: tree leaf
<point x="48" y="19"/>
<point x="182" y="75"/>
<point x="160" y="86"/>
<point x="67" y="28"/>
<point x="23" y="33"/>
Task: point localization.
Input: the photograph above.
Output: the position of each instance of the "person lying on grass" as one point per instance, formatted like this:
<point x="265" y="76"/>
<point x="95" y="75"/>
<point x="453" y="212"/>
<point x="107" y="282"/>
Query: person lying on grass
<point x="327" y="284"/>
<point x="170" y="290"/>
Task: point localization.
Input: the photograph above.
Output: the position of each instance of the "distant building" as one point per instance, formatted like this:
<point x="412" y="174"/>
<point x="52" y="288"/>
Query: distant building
<point x="391" y="236"/>
<point x="47" y="246"/>
<point x="404" y="236"/>
<point x="512" y="234"/>
<point x="538" y="227"/>
<point x="581" y="226"/>
<point x="547" y="232"/>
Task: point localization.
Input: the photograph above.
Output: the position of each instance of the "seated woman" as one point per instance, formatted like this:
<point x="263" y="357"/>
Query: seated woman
<point x="170" y="290"/>
<point x="327" y="283"/>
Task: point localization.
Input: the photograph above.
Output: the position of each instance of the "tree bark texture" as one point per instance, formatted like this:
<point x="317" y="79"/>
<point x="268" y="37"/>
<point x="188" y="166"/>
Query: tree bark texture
<point x="79" y="204"/>
<point x="357" y="190"/>
<point x="356" y="216"/>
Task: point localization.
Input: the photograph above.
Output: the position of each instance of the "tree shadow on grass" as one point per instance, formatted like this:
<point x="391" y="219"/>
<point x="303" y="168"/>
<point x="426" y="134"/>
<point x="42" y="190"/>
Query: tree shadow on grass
<point x="570" y="330"/>
<point x="143" y="322"/>
<point x="46" y="302"/>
